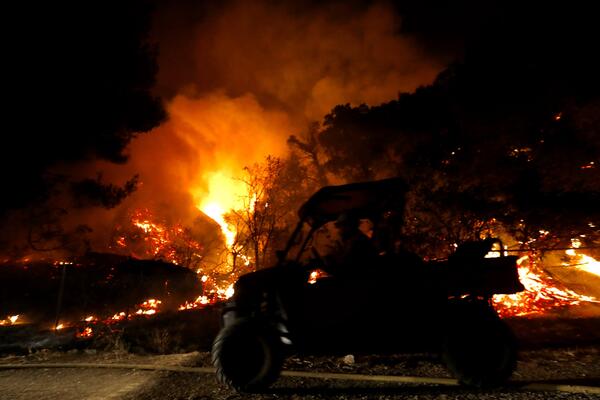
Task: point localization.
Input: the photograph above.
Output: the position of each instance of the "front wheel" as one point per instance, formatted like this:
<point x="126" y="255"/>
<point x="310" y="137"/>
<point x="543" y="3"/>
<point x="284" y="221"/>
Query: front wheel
<point x="247" y="355"/>
<point x="480" y="352"/>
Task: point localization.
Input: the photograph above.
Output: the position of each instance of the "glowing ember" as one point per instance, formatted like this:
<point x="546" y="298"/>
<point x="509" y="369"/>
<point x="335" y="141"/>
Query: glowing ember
<point x="85" y="333"/>
<point x="541" y="293"/>
<point x="119" y="316"/>
<point x="149" y="307"/>
<point x="247" y="260"/>
<point x="10" y="320"/>
<point x="149" y="238"/>
<point x="63" y="263"/>
<point x="59" y="327"/>
<point x="315" y="275"/>
<point x="203" y="300"/>
<point x="214" y="295"/>
<point x="199" y="302"/>
<point x="590" y="165"/>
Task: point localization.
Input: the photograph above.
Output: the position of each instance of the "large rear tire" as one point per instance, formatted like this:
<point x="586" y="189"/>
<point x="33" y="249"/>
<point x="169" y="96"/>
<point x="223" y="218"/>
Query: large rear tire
<point x="480" y="350"/>
<point x="247" y="355"/>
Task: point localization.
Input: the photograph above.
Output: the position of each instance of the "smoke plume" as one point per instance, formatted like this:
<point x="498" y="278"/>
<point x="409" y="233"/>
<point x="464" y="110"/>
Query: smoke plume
<point x="240" y="77"/>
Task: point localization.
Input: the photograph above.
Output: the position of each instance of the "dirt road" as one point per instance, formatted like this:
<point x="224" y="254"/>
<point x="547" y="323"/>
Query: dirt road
<point x="80" y="383"/>
<point x="574" y="366"/>
<point x="72" y="384"/>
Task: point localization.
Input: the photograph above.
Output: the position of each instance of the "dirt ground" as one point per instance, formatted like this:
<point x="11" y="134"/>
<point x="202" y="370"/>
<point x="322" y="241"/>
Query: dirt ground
<point x="569" y="365"/>
<point x="554" y="351"/>
<point x="580" y="366"/>
<point x="80" y="383"/>
<point x="67" y="384"/>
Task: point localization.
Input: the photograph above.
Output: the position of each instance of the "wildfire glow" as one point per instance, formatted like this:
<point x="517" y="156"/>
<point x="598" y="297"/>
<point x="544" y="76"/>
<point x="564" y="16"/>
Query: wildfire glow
<point x="315" y="275"/>
<point x="581" y="261"/>
<point x="149" y="307"/>
<point x="217" y="214"/>
<point x="10" y="320"/>
<point x="85" y="333"/>
<point x="160" y="240"/>
<point x="588" y="264"/>
<point x="119" y="316"/>
<point x="229" y="292"/>
<point x="155" y="232"/>
<point x="541" y="293"/>
<point x="213" y="296"/>
<point x="590" y="165"/>
<point x="224" y="194"/>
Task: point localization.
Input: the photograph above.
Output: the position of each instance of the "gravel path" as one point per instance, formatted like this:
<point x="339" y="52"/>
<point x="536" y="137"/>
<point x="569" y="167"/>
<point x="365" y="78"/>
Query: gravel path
<point x="575" y="366"/>
<point x="71" y="384"/>
<point x="80" y="384"/>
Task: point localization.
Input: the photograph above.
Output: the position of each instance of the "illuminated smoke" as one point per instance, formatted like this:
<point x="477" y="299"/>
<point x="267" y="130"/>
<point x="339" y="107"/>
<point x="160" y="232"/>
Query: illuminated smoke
<point x="304" y="59"/>
<point x="241" y="78"/>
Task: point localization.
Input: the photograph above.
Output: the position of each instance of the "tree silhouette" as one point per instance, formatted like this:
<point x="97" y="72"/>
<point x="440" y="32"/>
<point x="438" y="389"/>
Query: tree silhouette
<point x="510" y="135"/>
<point x="80" y="88"/>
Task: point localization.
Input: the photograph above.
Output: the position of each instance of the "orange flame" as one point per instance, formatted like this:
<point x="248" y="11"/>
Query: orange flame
<point x="159" y="239"/>
<point x="87" y="332"/>
<point x="10" y="320"/>
<point x="224" y="194"/>
<point x="213" y="296"/>
<point x="315" y="275"/>
<point x="149" y="307"/>
<point x="541" y="293"/>
<point x="581" y="261"/>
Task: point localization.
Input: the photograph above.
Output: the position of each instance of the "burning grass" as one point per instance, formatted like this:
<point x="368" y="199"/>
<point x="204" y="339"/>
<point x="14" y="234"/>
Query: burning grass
<point x="10" y="320"/>
<point x="542" y="292"/>
<point x="107" y="290"/>
<point x="94" y="287"/>
<point x="146" y="237"/>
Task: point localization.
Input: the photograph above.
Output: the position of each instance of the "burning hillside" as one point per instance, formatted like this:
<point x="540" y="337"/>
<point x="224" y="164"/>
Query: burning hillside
<point x="108" y="289"/>
<point x="255" y="120"/>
